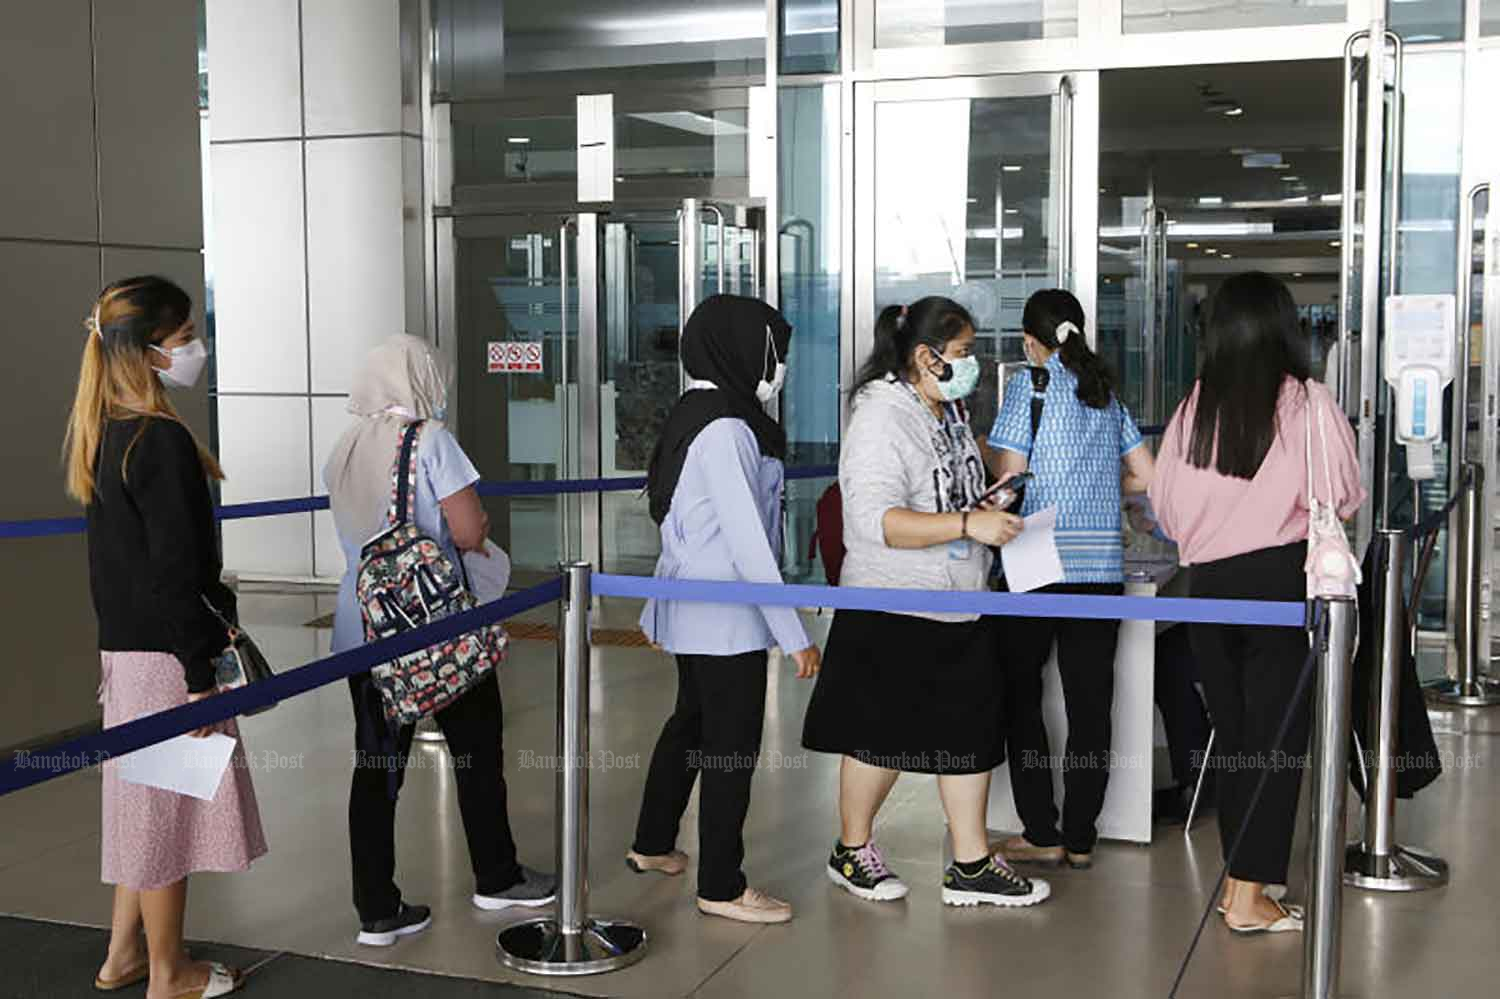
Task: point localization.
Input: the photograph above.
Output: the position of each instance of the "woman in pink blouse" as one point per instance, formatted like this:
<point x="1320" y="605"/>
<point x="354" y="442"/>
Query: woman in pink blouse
<point x="1231" y="490"/>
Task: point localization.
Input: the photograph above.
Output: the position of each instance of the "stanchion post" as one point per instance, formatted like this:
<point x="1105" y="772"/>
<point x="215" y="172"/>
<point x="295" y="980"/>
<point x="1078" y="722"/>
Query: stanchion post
<point x="1330" y="764"/>
<point x="1470" y="688"/>
<point x="1377" y="862"/>
<point x="571" y="943"/>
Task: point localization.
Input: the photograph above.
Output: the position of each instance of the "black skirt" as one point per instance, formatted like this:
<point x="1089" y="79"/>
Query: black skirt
<point x="910" y="694"/>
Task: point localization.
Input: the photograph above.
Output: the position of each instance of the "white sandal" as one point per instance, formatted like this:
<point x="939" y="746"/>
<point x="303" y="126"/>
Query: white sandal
<point x="221" y="982"/>
<point x="1290" y="922"/>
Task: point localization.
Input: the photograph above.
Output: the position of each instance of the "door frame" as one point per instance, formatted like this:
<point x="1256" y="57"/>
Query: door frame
<point x="1075" y="139"/>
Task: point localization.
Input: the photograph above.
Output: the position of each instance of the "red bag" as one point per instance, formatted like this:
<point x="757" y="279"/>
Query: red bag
<point x="828" y="534"/>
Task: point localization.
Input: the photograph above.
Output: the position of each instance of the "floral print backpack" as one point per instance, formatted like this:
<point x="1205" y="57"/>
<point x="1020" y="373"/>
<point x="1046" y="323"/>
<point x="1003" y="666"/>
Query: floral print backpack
<point x="406" y="580"/>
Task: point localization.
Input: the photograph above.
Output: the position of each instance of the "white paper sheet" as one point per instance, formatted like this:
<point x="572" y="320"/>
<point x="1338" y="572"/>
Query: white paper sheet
<point x="184" y="765"/>
<point x="1031" y="560"/>
<point x="489" y="574"/>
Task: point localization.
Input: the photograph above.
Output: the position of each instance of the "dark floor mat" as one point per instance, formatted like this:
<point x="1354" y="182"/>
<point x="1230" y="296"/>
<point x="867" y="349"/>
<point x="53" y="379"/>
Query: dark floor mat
<point x="55" y="961"/>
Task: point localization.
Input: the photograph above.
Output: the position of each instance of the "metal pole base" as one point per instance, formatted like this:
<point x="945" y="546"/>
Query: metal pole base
<point x="1482" y="692"/>
<point x="1405" y="868"/>
<point x="539" y="947"/>
<point x="428" y="731"/>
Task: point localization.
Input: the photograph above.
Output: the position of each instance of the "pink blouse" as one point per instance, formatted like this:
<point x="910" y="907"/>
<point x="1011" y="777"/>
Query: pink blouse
<point x="1213" y="516"/>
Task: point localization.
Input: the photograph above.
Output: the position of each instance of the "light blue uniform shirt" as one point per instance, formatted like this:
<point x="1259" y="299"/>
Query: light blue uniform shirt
<point x="442" y="470"/>
<point x="1076" y="463"/>
<point x="724" y="524"/>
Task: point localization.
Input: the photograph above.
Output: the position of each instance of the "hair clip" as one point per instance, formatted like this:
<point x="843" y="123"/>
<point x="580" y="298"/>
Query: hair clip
<point x="91" y="323"/>
<point x="901" y="319"/>
<point x="1065" y="329"/>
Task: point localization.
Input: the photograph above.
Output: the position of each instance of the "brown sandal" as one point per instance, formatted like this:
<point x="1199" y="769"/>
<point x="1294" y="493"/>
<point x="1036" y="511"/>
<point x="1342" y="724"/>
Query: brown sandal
<point x="135" y="976"/>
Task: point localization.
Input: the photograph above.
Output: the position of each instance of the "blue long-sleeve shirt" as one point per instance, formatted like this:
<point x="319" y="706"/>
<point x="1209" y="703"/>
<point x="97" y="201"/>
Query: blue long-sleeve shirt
<point x="724" y="524"/>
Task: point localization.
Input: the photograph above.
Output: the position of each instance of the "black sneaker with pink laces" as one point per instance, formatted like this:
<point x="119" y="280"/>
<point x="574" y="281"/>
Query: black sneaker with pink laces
<point x="862" y="872"/>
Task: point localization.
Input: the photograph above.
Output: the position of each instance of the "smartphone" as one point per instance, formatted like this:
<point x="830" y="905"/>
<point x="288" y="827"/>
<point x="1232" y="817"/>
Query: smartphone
<point x="1004" y="494"/>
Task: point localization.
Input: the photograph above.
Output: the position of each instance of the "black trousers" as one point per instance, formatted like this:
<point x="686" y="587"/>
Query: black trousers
<point x="1182" y="712"/>
<point x="472" y="726"/>
<point x="713" y="735"/>
<point x="1086" y="662"/>
<point x="1249" y="676"/>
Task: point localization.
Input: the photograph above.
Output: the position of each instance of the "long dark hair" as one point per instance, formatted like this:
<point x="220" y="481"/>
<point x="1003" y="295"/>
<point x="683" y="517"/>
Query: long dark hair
<point x="932" y="321"/>
<point x="1047" y="310"/>
<point x="1252" y="327"/>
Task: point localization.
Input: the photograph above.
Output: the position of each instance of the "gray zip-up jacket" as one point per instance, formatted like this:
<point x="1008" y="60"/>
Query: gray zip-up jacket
<point x="897" y="455"/>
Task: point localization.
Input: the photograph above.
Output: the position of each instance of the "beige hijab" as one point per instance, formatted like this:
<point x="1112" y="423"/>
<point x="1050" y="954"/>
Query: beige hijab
<point x="401" y="381"/>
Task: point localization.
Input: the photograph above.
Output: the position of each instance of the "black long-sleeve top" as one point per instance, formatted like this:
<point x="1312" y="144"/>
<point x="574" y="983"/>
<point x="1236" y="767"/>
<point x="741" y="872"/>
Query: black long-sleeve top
<point x="153" y="550"/>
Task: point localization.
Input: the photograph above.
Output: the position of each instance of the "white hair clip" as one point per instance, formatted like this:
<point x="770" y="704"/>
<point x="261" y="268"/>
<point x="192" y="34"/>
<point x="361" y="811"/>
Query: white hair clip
<point x="1065" y="329"/>
<point x="91" y="323"/>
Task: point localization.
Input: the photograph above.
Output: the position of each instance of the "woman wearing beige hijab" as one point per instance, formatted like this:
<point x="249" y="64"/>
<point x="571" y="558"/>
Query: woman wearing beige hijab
<point x="401" y="383"/>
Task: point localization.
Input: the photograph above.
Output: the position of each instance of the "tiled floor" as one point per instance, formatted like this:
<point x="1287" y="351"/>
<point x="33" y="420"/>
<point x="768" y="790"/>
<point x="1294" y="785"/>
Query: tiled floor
<point x="1119" y="930"/>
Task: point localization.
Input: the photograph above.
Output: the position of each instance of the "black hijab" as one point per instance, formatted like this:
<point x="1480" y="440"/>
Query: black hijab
<point x="724" y="342"/>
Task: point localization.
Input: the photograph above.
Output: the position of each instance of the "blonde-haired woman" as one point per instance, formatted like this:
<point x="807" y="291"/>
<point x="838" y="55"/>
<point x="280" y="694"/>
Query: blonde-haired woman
<point x="153" y="559"/>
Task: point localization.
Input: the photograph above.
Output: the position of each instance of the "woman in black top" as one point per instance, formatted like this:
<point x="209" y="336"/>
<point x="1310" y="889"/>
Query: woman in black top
<point x="153" y="562"/>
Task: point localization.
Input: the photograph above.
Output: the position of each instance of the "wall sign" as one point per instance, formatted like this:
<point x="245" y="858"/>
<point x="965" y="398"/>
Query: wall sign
<point x="514" y="357"/>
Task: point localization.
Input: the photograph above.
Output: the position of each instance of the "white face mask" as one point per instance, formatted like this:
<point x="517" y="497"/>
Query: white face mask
<point x="768" y="390"/>
<point x="185" y="364"/>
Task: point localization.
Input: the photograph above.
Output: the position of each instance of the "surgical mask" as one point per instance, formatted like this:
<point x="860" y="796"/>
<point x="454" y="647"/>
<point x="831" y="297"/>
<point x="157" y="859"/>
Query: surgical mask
<point x="964" y="380"/>
<point x="185" y="363"/>
<point x="768" y="390"/>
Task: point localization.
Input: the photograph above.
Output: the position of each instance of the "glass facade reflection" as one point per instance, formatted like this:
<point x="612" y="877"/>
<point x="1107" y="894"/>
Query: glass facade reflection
<point x="811" y="282"/>
<point x="923" y="23"/>
<point x="1419" y="21"/>
<point x="1210" y="15"/>
<point x="971" y="217"/>
<point x="809" y="36"/>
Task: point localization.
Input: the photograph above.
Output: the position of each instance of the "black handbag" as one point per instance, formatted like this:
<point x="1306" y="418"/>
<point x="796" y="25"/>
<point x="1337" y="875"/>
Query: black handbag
<point x="242" y="663"/>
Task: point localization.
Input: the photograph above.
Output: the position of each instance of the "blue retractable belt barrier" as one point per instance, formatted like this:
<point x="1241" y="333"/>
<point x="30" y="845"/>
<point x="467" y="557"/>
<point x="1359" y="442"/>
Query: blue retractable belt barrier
<point x="25" y="769"/>
<point x="276" y="508"/>
<point x="1180" y="609"/>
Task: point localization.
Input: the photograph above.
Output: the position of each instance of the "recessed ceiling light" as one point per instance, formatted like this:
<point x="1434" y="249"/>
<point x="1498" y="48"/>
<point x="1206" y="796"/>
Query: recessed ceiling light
<point x="1226" y="256"/>
<point x="1290" y="178"/>
<point x="973" y="201"/>
<point x="1212" y="199"/>
<point x="1101" y="190"/>
<point x="1296" y="274"/>
<point x="1282" y="166"/>
<point x="518" y="140"/>
<point x="1335" y="242"/>
<point x="1011" y="168"/>
<point x="1234" y="112"/>
<point x="1013" y="211"/>
<point x="1192" y="246"/>
<point x="1210" y="250"/>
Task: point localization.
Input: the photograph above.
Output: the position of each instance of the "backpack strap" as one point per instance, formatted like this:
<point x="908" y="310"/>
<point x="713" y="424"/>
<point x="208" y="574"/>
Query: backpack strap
<point x="1040" y="377"/>
<point x="404" y="476"/>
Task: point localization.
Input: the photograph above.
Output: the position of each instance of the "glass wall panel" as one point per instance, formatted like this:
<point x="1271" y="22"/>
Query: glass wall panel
<point x="1426" y="20"/>
<point x="971" y="218"/>
<point x="518" y="426"/>
<point x="1427" y="252"/>
<point x="1489" y="17"/>
<point x="658" y="136"/>
<point x="809" y="36"/>
<point x="487" y="49"/>
<point x="811" y="280"/>
<point x="1207" y="15"/>
<point x="925" y="23"/>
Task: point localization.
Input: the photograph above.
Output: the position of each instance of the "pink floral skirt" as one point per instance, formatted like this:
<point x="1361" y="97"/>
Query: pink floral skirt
<point x="155" y="838"/>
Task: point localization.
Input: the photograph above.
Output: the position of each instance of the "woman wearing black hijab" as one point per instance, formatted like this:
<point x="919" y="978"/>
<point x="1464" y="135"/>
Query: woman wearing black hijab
<point x="715" y="485"/>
